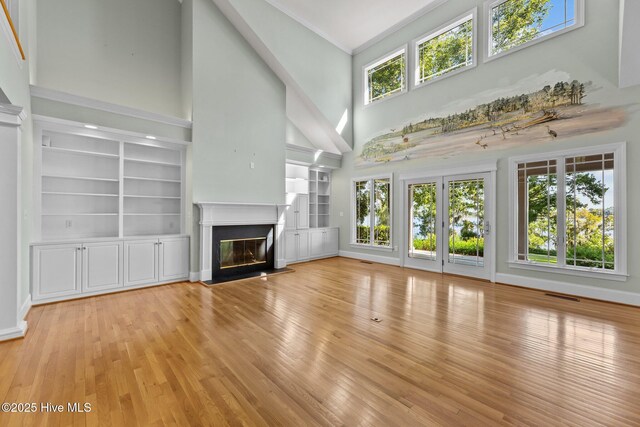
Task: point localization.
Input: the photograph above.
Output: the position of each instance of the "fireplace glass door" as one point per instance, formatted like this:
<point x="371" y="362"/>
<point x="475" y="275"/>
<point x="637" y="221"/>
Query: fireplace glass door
<point x="243" y="252"/>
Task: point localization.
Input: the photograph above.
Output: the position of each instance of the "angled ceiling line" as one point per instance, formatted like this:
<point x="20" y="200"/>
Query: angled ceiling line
<point x="293" y="88"/>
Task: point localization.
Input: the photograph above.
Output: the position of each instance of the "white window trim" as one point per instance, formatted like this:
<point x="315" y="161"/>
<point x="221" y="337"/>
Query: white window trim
<point x="372" y="178"/>
<point x="415" y="44"/>
<point x="620" y="207"/>
<point x="365" y="70"/>
<point x="490" y="4"/>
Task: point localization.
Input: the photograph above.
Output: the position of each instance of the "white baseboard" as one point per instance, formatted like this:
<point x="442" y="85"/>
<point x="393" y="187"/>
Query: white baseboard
<point x="194" y="276"/>
<point x="26" y="306"/>
<point x="373" y="258"/>
<point x="13" y="333"/>
<point x="592" y="292"/>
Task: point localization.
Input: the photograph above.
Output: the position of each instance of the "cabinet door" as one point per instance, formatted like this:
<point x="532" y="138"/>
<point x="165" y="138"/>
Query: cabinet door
<point x="303" y="245"/>
<point x="140" y="262"/>
<point x="290" y="212"/>
<point x="174" y="259"/>
<point x="332" y="241"/>
<point x="102" y="266"/>
<point x="303" y="211"/>
<point x="291" y="246"/>
<point x="316" y="243"/>
<point x="57" y="271"/>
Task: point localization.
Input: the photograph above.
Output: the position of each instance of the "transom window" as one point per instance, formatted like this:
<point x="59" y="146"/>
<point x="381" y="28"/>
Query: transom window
<point x="386" y="77"/>
<point x="446" y="50"/>
<point x="568" y="211"/>
<point x="515" y="23"/>
<point x="372" y="212"/>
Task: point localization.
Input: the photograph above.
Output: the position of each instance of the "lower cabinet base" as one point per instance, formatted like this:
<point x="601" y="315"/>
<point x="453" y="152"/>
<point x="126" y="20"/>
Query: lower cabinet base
<point x="103" y="292"/>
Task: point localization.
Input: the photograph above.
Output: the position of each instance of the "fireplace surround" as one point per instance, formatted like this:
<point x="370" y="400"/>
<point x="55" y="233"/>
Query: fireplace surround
<point x="221" y="215"/>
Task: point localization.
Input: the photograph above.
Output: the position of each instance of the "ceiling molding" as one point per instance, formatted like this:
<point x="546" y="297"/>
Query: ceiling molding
<point x="409" y="19"/>
<point x="310" y="26"/>
<point x="81" y="101"/>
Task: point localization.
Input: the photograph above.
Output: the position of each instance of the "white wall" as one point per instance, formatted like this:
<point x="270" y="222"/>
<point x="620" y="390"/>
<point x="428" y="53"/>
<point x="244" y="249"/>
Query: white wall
<point x="122" y="51"/>
<point x="239" y="117"/>
<point x="320" y="68"/>
<point x="586" y="54"/>
<point x="14" y="83"/>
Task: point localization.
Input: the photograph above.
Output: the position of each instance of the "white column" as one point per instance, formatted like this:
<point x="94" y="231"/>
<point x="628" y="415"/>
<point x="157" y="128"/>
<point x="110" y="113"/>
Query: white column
<point x="11" y="326"/>
<point x="280" y="261"/>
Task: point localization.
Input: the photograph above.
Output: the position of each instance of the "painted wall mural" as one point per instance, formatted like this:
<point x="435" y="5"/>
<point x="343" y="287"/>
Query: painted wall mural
<point x="554" y="111"/>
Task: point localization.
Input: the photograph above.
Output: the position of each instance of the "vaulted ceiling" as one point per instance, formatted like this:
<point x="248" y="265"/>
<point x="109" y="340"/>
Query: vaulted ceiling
<point x="350" y="24"/>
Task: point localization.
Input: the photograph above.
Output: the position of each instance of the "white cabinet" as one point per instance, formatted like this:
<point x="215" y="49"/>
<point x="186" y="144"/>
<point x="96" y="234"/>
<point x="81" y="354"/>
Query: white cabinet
<point x="324" y="242"/>
<point x="156" y="260"/>
<point x="296" y="245"/>
<point x="174" y="259"/>
<point x="302" y="218"/>
<point x="302" y="245"/>
<point x="333" y="241"/>
<point x="57" y="271"/>
<point x="316" y="242"/>
<point x="75" y="269"/>
<point x="141" y="262"/>
<point x="297" y="213"/>
<point x="102" y="266"/>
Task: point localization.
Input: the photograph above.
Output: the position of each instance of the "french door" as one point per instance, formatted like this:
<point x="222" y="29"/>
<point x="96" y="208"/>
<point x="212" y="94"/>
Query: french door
<point x="448" y="225"/>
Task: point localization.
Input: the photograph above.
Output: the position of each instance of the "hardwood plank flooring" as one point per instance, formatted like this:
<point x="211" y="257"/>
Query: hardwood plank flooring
<point x="301" y="349"/>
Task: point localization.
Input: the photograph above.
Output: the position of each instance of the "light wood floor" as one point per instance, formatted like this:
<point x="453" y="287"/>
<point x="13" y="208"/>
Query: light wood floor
<point x="301" y="349"/>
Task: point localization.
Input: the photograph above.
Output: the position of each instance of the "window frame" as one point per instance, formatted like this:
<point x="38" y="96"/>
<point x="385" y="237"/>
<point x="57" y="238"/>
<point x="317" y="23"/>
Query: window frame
<point x="619" y="273"/>
<point x="415" y="45"/>
<point x="489" y="5"/>
<point x="404" y="49"/>
<point x="353" y="224"/>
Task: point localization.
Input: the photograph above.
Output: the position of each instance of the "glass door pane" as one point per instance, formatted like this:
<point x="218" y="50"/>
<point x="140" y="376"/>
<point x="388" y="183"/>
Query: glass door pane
<point x="467" y="211"/>
<point x="423" y="240"/>
<point x="466" y="222"/>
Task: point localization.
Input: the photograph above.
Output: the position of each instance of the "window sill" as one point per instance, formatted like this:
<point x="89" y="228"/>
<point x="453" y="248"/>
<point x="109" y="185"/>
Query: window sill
<point x="386" y="98"/>
<point x="371" y="247"/>
<point x="445" y="76"/>
<point x="579" y="272"/>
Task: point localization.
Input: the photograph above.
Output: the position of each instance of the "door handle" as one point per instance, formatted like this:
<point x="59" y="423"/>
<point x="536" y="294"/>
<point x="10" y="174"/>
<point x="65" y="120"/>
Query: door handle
<point x="487" y="228"/>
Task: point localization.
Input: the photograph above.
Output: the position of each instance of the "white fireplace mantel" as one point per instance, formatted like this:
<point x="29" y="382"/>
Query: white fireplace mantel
<point x="224" y="214"/>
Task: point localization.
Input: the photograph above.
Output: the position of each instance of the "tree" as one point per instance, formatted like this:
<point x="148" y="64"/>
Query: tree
<point x="515" y="22"/>
<point x="447" y="51"/>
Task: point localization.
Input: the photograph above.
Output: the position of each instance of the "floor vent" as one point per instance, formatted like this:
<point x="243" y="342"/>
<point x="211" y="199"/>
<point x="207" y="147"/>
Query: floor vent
<point x="567" y="297"/>
<point x="366" y="262"/>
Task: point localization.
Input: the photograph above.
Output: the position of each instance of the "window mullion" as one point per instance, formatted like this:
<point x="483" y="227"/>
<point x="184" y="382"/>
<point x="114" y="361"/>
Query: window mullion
<point x="372" y="215"/>
<point x="561" y="214"/>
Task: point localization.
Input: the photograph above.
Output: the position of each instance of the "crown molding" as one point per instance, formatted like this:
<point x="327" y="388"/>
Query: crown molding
<point x="94" y="104"/>
<point x="306" y="150"/>
<point x="11" y="115"/>
<point x="394" y="28"/>
<point x="54" y="123"/>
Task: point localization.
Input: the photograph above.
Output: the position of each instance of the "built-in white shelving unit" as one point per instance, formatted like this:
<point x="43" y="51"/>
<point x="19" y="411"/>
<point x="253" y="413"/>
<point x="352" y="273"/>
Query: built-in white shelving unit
<point x="319" y="198"/>
<point x="95" y="185"/>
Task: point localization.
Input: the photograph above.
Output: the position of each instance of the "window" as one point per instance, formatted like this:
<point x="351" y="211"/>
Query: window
<point x="386" y="77"/>
<point x="516" y="23"/>
<point x="446" y="50"/>
<point x="372" y="212"/>
<point x="569" y="211"/>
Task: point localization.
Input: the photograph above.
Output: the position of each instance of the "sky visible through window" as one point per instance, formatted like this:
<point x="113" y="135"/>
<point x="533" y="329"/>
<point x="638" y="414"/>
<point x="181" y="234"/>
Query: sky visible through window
<point x="561" y="14"/>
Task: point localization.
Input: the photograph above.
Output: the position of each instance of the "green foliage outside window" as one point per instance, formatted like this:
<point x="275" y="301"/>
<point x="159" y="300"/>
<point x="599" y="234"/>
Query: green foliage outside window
<point x="446" y="52"/>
